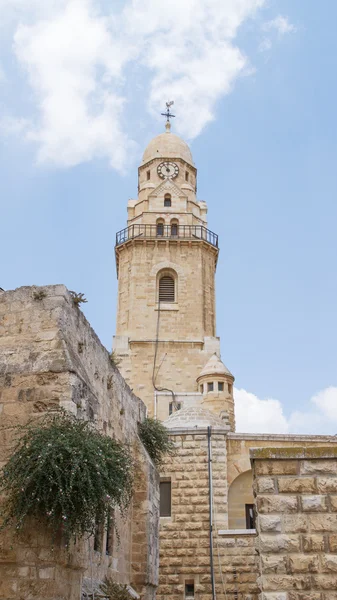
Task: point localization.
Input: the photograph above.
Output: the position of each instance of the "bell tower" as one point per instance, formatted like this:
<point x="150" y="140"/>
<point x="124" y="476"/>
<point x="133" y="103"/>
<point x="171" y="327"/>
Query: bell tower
<point x="166" y="260"/>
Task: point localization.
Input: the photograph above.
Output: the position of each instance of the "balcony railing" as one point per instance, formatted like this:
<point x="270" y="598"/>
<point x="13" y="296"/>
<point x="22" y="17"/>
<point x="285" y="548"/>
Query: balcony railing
<point x="172" y="232"/>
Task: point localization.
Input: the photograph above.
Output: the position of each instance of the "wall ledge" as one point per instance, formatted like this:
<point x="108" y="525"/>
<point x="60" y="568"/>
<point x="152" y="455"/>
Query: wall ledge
<point x="293" y="453"/>
<point x="236" y="532"/>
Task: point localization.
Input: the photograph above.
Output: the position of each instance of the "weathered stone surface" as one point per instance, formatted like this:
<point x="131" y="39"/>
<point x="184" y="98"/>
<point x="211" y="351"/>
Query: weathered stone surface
<point x="50" y="358"/>
<point x="302" y="485"/>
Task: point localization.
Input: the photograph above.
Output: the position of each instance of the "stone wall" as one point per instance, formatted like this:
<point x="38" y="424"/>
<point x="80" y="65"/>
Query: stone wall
<point x="184" y="537"/>
<point x="296" y="505"/>
<point x="49" y="358"/>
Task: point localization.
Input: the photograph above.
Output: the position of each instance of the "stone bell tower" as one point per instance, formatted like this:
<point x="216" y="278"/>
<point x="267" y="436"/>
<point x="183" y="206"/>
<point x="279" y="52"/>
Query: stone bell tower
<point x="166" y="260"/>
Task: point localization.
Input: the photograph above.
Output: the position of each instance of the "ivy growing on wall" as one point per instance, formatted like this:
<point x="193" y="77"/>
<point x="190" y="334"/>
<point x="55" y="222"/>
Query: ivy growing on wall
<point x="67" y="475"/>
<point x="155" y="437"/>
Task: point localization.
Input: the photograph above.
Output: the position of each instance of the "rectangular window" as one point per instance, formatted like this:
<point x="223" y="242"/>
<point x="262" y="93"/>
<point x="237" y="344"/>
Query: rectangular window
<point x="202" y="388"/>
<point x="230" y="388"/>
<point x="210" y="387"/>
<point x="167" y="201"/>
<point x="148" y="175"/>
<point x="186" y="175"/>
<point x="220" y="386"/>
<point x="189" y="590"/>
<point x="174" y="406"/>
<point x="109" y="542"/>
<point x="250" y="517"/>
<point x="165" y="498"/>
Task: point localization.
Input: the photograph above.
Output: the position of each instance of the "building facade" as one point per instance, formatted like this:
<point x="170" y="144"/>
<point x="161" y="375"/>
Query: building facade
<point x="166" y="341"/>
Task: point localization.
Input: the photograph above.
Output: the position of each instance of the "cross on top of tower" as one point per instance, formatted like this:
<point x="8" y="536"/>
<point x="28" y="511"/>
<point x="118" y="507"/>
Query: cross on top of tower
<point x="168" y="115"/>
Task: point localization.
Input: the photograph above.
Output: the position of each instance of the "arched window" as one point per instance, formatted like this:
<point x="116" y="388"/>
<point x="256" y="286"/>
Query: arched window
<point x="160" y="228"/>
<point x="174" y="228"/>
<point x="167" y="200"/>
<point x="166" y="289"/>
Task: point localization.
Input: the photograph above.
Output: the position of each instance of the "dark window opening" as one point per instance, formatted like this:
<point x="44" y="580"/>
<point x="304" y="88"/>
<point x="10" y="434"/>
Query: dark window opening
<point x="189" y="590"/>
<point x="220" y="386"/>
<point x="250" y="516"/>
<point x="210" y="387"/>
<point x="167" y="200"/>
<point x="166" y="289"/>
<point x="174" y="406"/>
<point x="186" y="175"/>
<point x="148" y="175"/>
<point x="109" y="535"/>
<point x="174" y="229"/>
<point x="165" y="498"/>
<point x="98" y="538"/>
<point x="160" y="228"/>
<point x="230" y="388"/>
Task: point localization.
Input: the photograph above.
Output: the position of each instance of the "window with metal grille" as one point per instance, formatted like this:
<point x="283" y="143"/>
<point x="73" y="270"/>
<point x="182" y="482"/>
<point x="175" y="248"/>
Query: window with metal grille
<point x="165" y="498"/>
<point x="166" y="289"/>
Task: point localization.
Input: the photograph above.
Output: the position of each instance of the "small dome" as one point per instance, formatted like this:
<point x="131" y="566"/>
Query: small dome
<point x="167" y="145"/>
<point x="193" y="417"/>
<point x="215" y="366"/>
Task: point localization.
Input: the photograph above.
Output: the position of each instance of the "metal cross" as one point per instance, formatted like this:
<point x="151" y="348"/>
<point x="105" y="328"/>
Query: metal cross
<point x="167" y="114"/>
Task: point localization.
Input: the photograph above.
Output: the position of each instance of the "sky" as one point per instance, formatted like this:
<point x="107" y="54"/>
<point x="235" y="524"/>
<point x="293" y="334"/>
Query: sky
<point x="82" y="86"/>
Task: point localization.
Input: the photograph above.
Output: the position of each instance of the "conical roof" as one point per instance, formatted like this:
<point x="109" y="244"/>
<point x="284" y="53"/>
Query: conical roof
<point x="215" y="366"/>
<point x="193" y="417"/>
<point x="167" y="145"/>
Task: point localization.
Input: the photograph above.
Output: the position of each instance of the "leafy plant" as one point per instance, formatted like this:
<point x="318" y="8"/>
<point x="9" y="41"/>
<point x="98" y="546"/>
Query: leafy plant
<point x="114" y="591"/>
<point x="78" y="298"/>
<point x="114" y="359"/>
<point x="155" y="437"/>
<point x="39" y="294"/>
<point x="67" y="475"/>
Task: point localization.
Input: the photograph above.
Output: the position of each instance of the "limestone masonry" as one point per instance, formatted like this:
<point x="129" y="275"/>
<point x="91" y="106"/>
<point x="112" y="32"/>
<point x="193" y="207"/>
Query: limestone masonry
<point x="242" y="516"/>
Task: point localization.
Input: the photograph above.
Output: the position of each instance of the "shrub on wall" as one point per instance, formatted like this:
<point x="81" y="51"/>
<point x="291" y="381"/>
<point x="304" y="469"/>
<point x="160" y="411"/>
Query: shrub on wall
<point x="65" y="474"/>
<point x="155" y="437"/>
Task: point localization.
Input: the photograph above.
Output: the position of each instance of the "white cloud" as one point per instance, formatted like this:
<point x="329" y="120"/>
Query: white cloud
<point x="80" y="58"/>
<point x="254" y="415"/>
<point x="279" y="24"/>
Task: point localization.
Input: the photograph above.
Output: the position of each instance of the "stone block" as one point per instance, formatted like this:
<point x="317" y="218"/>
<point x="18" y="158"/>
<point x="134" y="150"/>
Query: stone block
<point x="294" y="485"/>
<point x="273" y="563"/>
<point x="270" y="523"/>
<point x="318" y="467"/>
<point x="276" y="504"/>
<point x="265" y="485"/>
<point x="313" y="543"/>
<point x="303" y="563"/>
<point x="276" y="467"/>
<point x="279" y="543"/>
<point x="314" y="504"/>
<point x="329" y="563"/>
<point x="295" y="523"/>
<point x="327" y="485"/>
<point x="287" y="582"/>
<point x="326" y="522"/>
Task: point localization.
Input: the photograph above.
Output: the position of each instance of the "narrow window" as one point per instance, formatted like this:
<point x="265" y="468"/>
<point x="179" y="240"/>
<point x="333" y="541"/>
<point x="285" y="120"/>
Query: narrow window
<point x="174" y="229"/>
<point x="220" y="386"/>
<point x="98" y="539"/>
<point x="202" y="388"/>
<point x="167" y="200"/>
<point x="230" y="388"/>
<point x="165" y="498"/>
<point x="109" y="535"/>
<point x="160" y="229"/>
<point x="166" y="289"/>
<point x="148" y="175"/>
<point x="174" y="406"/>
<point x="250" y="517"/>
<point x="210" y="387"/>
<point x="186" y="175"/>
<point x="189" y="590"/>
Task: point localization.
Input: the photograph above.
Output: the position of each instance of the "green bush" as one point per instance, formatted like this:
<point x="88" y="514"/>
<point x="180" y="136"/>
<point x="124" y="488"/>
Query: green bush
<point x="155" y="437"/>
<point x="67" y="475"/>
<point x="114" y="591"/>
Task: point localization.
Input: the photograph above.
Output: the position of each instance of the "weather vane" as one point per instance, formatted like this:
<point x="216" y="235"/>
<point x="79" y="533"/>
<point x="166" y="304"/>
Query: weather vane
<point x="167" y="114"/>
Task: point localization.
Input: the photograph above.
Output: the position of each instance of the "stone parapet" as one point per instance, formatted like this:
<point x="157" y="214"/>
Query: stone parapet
<point x="296" y="505"/>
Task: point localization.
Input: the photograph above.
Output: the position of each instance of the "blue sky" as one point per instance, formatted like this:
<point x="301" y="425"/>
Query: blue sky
<point x="256" y="98"/>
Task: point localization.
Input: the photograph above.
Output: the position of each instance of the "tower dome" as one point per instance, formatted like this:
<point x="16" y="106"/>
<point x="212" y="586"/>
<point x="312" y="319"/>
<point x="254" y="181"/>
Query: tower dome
<point x="167" y="145"/>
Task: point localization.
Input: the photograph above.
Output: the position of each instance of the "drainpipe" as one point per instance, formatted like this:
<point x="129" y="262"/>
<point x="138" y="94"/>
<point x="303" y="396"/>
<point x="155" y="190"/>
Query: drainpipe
<point x="210" y="493"/>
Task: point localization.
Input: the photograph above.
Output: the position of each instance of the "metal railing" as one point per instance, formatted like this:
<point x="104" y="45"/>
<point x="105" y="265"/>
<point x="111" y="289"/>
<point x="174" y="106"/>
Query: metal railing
<point x="161" y="231"/>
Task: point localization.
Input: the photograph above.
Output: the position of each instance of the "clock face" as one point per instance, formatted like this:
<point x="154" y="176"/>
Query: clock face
<point x="168" y="170"/>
